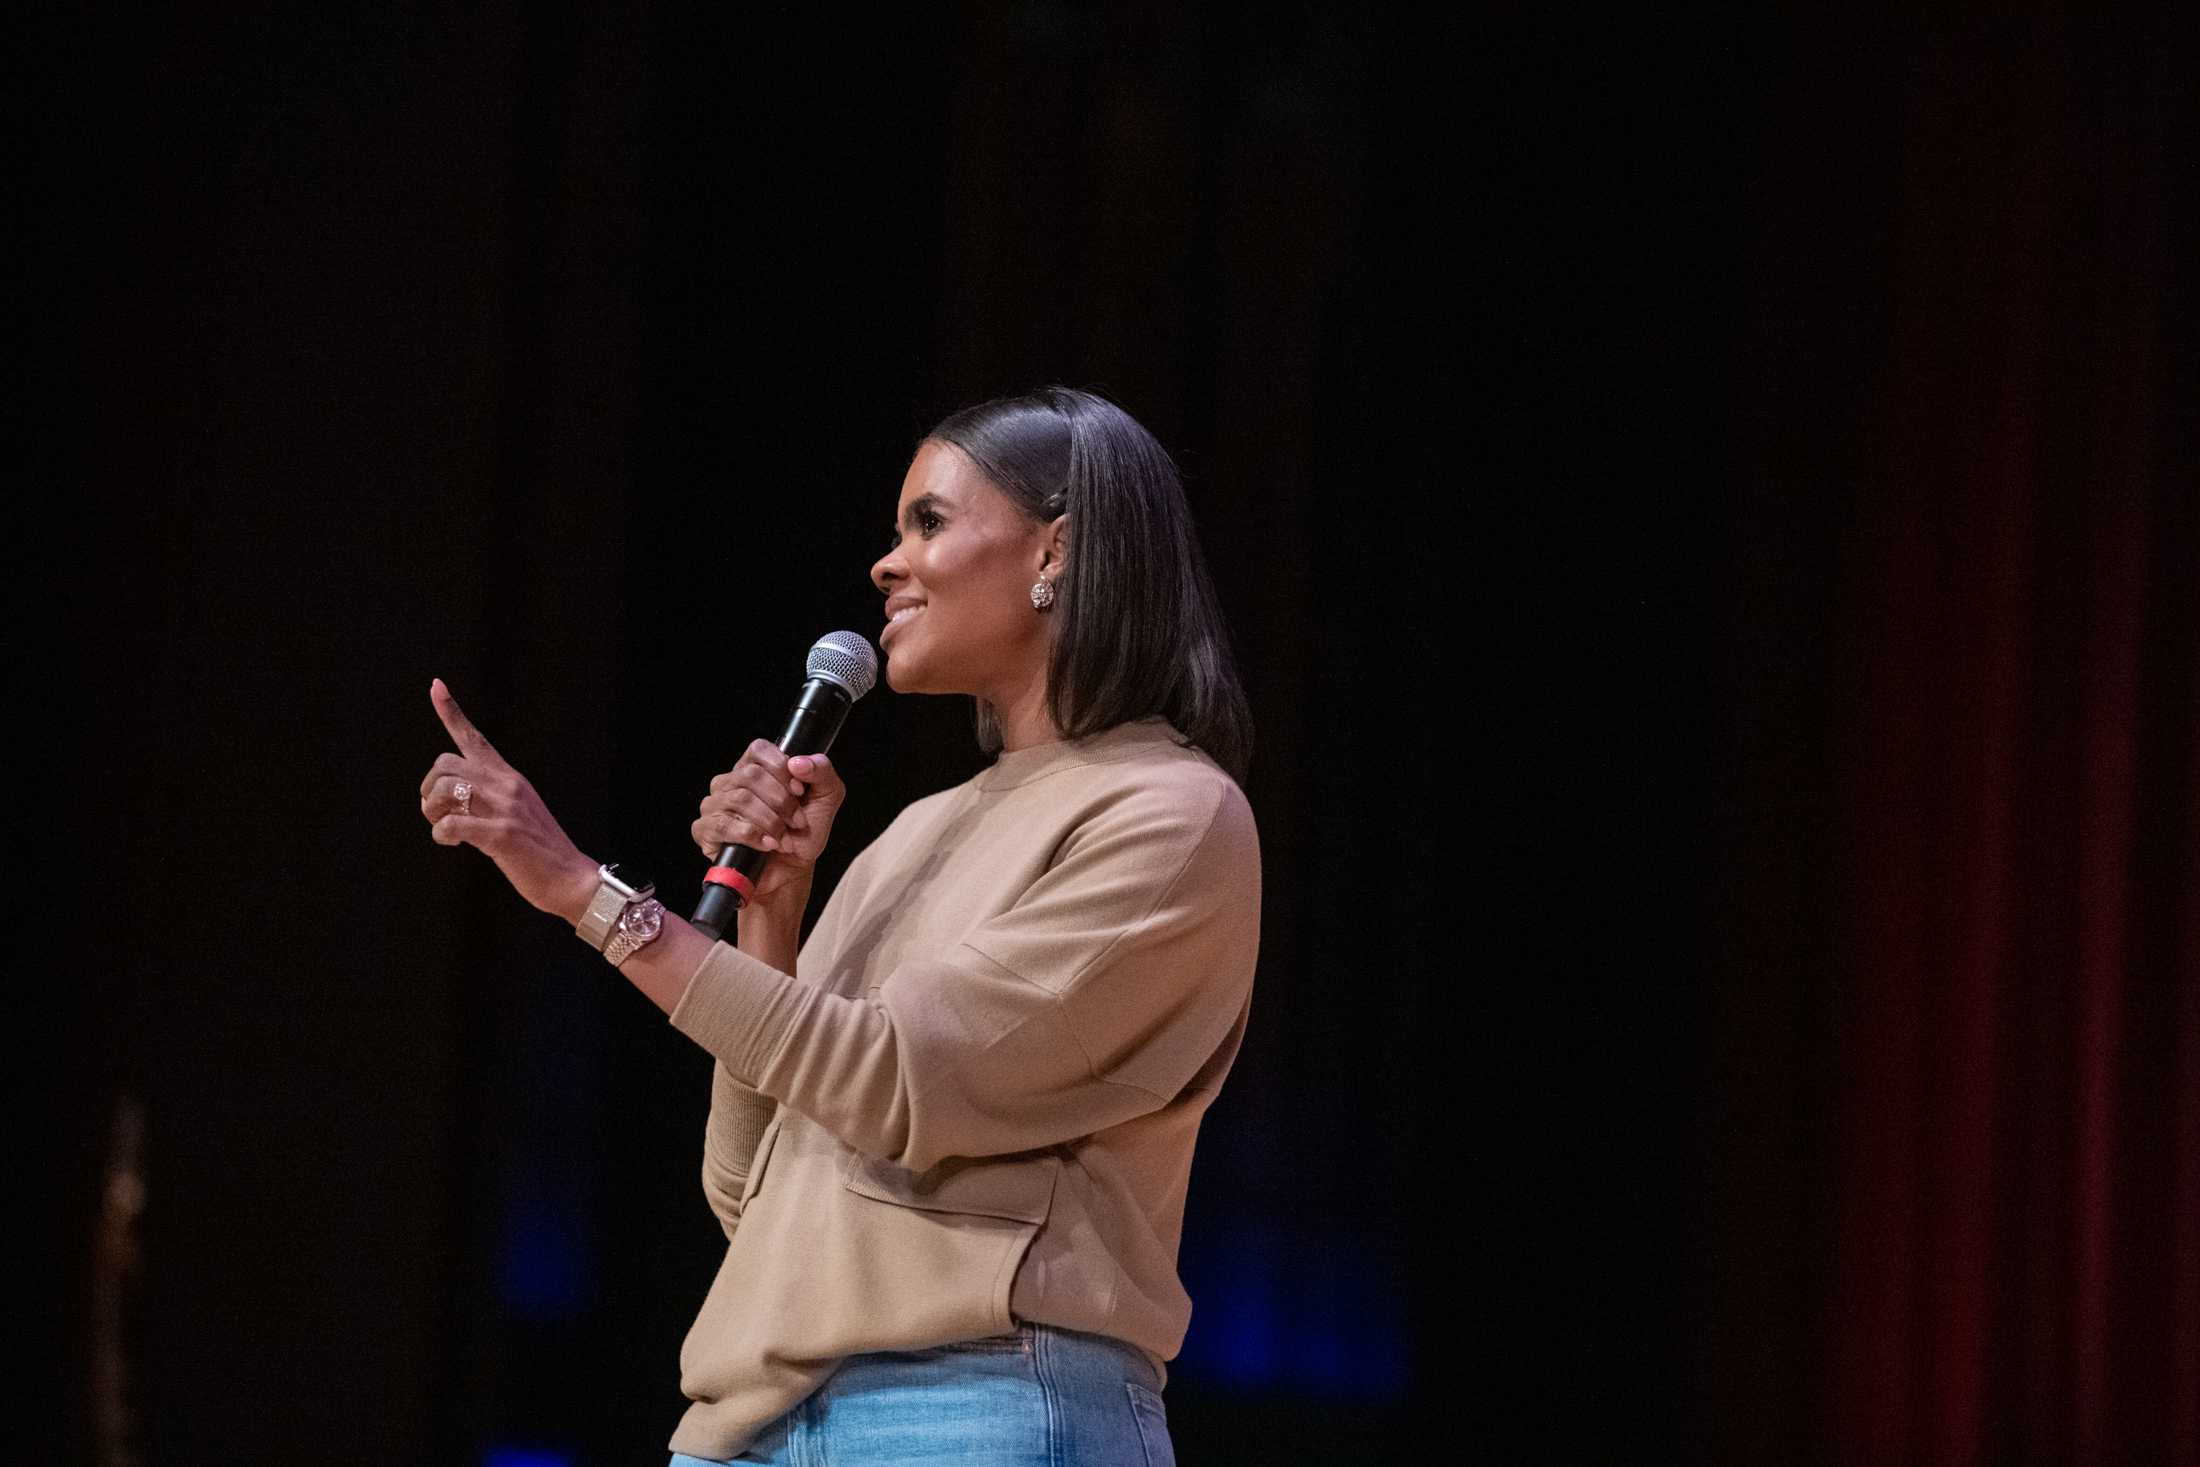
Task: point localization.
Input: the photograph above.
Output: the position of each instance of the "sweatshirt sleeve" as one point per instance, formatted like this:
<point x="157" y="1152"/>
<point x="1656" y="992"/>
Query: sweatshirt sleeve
<point x="738" y="1117"/>
<point x="739" y="1113"/>
<point x="1097" y="997"/>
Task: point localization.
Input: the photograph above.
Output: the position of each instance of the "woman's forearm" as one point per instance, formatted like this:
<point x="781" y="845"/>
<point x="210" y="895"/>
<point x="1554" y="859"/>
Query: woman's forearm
<point x="661" y="970"/>
<point x="773" y="933"/>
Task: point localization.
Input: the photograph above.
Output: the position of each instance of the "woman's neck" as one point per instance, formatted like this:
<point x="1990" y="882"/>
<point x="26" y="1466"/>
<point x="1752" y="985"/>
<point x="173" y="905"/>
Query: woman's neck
<point x="1027" y="721"/>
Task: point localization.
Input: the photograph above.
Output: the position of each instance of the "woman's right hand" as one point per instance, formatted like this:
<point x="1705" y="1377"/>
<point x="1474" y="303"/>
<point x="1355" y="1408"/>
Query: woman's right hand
<point x="776" y="804"/>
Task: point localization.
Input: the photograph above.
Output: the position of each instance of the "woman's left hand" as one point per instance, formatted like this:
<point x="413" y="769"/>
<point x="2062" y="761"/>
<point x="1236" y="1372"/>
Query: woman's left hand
<point x="502" y="817"/>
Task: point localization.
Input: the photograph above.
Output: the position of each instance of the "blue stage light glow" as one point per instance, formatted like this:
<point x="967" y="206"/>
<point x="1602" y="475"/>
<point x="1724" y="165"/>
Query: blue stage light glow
<point x="1278" y="1309"/>
<point x="546" y="1265"/>
<point x="527" y="1457"/>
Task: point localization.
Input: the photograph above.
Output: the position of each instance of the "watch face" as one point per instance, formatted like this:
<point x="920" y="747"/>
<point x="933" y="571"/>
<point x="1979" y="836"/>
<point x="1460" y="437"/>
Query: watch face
<point x="644" y="921"/>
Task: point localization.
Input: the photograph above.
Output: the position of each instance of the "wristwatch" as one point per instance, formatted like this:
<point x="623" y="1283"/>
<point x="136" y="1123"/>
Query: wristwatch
<point x="620" y="887"/>
<point x="638" y="927"/>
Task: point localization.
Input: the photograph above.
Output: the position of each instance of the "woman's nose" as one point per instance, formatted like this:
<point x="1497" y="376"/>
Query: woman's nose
<point x="886" y="570"/>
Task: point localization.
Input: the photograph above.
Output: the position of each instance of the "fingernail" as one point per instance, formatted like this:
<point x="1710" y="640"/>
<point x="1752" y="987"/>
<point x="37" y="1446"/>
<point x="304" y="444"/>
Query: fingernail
<point x="799" y="765"/>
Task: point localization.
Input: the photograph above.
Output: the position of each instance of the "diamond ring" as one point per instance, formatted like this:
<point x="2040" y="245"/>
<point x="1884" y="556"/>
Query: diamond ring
<point x="464" y="794"/>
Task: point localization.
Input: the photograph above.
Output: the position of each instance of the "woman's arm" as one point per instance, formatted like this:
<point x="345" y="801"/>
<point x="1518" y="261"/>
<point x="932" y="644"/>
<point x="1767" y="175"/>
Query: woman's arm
<point x="661" y="970"/>
<point x="516" y="830"/>
<point x="770" y="933"/>
<point x="1097" y="997"/>
<point x="783" y="804"/>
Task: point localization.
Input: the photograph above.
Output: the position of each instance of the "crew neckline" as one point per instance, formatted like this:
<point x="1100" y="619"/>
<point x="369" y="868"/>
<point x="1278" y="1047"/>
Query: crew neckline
<point x="1013" y="767"/>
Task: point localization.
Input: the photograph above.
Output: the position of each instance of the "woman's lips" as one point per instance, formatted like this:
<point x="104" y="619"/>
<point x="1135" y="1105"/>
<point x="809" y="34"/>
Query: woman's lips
<point x="895" y="621"/>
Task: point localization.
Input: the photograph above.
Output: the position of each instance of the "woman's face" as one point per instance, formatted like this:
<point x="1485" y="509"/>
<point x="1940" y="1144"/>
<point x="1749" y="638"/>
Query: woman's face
<point x="958" y="580"/>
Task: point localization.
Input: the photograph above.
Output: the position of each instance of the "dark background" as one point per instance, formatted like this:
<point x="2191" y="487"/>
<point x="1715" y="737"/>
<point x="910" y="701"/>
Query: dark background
<point x="1706" y="508"/>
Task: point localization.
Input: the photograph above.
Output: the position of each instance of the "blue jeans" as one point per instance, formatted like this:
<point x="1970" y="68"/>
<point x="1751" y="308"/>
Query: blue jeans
<point x="1041" y="1397"/>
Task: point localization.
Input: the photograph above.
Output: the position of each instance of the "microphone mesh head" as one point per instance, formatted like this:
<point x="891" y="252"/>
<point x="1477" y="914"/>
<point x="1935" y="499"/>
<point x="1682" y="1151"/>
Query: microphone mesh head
<point x="846" y="658"/>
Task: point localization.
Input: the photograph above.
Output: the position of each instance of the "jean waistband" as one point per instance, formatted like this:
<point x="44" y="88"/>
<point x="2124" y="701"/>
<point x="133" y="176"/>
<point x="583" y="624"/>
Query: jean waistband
<point x="1060" y="1340"/>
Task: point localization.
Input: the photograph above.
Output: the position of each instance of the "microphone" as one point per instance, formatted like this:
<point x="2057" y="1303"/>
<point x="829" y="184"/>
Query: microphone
<point x="842" y="668"/>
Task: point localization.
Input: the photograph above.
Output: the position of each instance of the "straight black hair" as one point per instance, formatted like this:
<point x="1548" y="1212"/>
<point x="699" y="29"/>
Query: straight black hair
<point x="1142" y="630"/>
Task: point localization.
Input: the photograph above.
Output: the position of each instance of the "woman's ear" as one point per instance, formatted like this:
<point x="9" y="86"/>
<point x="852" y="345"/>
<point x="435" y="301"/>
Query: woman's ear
<point x="1057" y="545"/>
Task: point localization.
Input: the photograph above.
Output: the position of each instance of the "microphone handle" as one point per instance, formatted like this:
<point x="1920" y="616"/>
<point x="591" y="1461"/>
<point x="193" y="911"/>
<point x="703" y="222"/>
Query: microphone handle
<point x="811" y="728"/>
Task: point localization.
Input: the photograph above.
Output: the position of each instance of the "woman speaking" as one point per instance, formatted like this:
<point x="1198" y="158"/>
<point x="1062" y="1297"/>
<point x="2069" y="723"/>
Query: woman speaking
<point x="949" y="1139"/>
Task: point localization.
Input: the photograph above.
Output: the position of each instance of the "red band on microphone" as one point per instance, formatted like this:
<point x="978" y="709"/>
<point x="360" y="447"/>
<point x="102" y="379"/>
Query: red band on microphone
<point x="727" y="876"/>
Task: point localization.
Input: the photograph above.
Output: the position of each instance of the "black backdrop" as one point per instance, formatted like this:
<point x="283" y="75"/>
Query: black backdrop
<point x="575" y="358"/>
<point x="1523" y="375"/>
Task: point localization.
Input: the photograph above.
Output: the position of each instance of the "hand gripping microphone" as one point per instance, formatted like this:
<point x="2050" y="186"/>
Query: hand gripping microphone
<point x="842" y="668"/>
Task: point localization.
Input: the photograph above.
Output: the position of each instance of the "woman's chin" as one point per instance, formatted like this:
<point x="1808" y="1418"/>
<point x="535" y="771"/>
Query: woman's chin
<point x="899" y="677"/>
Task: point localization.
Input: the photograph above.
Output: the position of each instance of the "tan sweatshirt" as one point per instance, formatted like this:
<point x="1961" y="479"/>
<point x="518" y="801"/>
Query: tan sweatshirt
<point x="974" y="1102"/>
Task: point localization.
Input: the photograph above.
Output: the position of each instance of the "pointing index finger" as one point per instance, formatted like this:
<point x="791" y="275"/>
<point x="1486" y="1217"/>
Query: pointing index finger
<point x="461" y="728"/>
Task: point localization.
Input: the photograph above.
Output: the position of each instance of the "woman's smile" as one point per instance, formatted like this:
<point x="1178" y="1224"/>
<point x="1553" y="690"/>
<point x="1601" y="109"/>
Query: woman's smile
<point x="899" y="608"/>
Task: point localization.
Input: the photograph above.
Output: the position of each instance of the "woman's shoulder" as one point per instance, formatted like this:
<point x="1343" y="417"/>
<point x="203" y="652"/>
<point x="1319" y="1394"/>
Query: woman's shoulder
<point x="1173" y="771"/>
<point x="1167" y="792"/>
<point x="1138" y="780"/>
<point x="1159" y="756"/>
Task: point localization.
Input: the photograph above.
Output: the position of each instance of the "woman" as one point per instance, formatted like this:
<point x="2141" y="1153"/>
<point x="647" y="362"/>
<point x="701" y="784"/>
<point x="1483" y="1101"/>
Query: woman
<point x="949" y="1139"/>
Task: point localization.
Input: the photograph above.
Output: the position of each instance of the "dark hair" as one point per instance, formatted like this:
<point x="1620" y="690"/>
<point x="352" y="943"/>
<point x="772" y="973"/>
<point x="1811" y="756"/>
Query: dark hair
<point x="1142" y="630"/>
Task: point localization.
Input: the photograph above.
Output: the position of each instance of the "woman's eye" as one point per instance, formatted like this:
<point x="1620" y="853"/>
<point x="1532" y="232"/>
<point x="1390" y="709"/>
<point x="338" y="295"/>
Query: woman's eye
<point x="927" y="521"/>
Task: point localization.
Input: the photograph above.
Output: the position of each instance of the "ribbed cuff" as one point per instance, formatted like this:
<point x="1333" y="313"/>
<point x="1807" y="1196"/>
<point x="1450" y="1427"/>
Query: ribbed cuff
<point x="741" y="1009"/>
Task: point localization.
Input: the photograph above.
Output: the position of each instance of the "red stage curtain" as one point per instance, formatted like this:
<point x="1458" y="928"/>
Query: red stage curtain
<point x="2014" y="1091"/>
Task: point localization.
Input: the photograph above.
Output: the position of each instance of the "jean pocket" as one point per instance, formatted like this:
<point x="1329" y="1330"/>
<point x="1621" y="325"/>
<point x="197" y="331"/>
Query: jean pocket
<point x="1153" y="1425"/>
